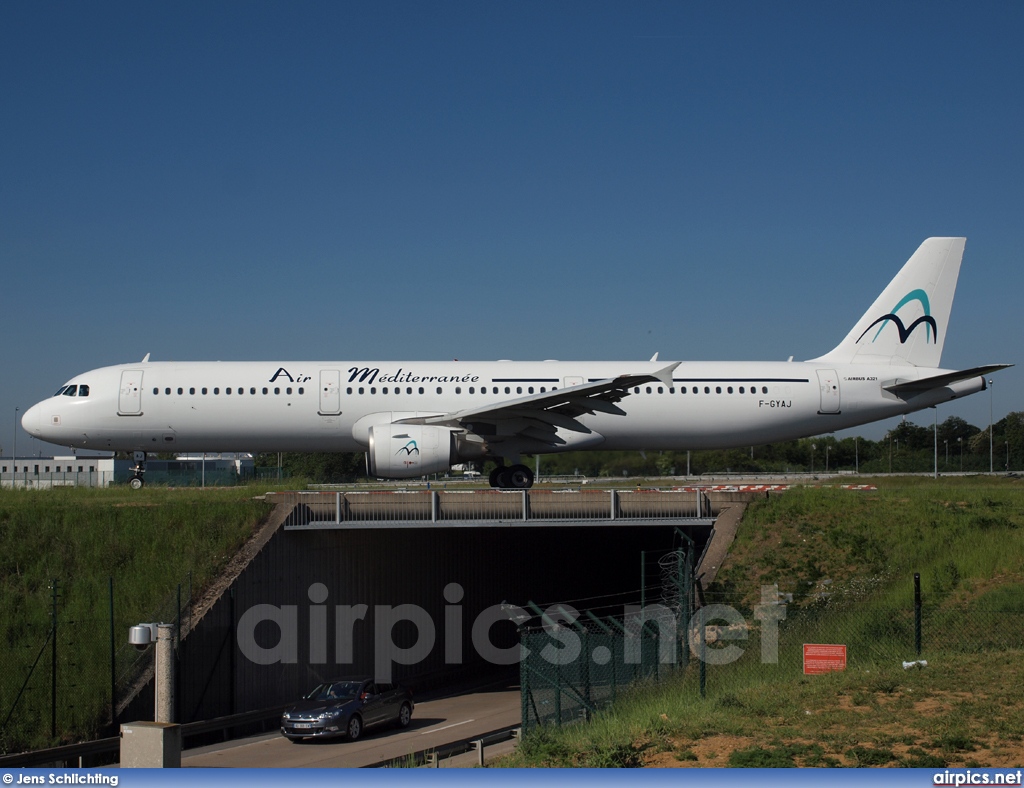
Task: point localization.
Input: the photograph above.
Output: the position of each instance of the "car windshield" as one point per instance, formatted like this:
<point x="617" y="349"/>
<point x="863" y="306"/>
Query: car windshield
<point x="336" y="690"/>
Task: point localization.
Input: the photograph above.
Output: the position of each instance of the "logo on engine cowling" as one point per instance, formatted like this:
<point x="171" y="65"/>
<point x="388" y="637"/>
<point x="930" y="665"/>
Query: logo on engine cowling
<point x="409" y="448"/>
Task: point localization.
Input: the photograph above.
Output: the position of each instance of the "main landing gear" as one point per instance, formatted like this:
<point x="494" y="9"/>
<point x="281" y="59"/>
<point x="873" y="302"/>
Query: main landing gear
<point x="135" y="481"/>
<point x="511" y="477"/>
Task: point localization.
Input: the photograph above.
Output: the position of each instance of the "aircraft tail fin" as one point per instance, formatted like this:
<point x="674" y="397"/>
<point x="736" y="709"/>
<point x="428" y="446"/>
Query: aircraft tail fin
<point x="906" y="326"/>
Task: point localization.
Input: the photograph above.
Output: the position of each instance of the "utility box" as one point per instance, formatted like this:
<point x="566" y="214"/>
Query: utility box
<point x="151" y="745"/>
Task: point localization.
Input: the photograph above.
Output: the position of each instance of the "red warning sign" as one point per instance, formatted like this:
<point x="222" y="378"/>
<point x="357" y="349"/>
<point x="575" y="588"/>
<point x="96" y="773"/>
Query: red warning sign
<point x="823" y="658"/>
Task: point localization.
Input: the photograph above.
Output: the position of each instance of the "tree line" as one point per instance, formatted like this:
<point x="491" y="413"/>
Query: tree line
<point x="907" y="448"/>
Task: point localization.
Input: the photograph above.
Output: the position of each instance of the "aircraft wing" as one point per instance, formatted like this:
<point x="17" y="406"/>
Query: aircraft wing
<point x="537" y="417"/>
<point x="912" y="387"/>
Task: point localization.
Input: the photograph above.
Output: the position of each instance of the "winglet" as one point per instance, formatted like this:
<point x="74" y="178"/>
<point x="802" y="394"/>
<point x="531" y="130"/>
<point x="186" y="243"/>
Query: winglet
<point x="665" y="375"/>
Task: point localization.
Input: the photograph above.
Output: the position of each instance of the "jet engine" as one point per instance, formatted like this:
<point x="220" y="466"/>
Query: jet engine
<point x="403" y="451"/>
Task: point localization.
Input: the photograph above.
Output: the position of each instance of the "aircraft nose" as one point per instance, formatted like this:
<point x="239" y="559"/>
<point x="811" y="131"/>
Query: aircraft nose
<point x="30" y="420"/>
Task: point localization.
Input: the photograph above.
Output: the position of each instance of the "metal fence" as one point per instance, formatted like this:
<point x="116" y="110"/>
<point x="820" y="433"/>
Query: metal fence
<point x="46" y="481"/>
<point x="67" y="679"/>
<point x="572" y="665"/>
<point x="322" y="509"/>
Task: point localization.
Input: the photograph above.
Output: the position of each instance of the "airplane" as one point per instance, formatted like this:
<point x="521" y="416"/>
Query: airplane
<point x="414" y="418"/>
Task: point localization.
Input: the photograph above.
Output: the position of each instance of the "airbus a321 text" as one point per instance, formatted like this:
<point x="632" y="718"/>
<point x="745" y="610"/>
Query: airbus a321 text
<point x="414" y="418"/>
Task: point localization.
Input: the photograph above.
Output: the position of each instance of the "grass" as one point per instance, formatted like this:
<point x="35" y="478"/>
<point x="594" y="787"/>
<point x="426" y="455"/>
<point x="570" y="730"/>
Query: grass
<point x="848" y="559"/>
<point x="148" y="542"/>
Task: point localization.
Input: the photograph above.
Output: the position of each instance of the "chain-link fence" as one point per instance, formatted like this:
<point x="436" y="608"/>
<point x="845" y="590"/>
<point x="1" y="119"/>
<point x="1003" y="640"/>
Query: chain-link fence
<point x="574" y="663"/>
<point x="65" y="680"/>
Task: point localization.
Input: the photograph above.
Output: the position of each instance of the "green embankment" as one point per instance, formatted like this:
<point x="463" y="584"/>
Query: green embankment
<point x="848" y="558"/>
<point x="149" y="542"/>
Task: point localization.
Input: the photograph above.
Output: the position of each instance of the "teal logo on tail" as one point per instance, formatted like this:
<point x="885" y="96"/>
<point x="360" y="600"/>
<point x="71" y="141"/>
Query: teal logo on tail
<point x="931" y="329"/>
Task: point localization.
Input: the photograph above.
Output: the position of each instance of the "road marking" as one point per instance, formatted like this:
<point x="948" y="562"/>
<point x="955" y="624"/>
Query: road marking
<point x="446" y="727"/>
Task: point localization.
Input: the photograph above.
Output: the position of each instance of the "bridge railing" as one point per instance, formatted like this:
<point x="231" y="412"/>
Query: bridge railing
<point x="321" y="509"/>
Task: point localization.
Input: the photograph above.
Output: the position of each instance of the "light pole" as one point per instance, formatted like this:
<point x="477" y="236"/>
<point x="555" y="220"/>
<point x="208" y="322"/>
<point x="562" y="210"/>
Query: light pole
<point x="946" y="442"/>
<point x="1007" y="456"/>
<point x="991" y="396"/>
<point x="960" y="440"/>
<point x="15" y="458"/>
<point x="856" y="454"/>
<point x="813" y="447"/>
<point x="827" y="447"/>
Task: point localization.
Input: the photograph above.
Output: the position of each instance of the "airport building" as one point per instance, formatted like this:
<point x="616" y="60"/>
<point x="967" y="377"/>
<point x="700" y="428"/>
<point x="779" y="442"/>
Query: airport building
<point x="189" y="470"/>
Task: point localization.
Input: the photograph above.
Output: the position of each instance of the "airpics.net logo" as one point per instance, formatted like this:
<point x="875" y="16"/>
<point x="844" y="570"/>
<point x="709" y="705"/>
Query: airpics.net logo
<point x="931" y="329"/>
<point x="676" y="630"/>
<point x="972" y="777"/>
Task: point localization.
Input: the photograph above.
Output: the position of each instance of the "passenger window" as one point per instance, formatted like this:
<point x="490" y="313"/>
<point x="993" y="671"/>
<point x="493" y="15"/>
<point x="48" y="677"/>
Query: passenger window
<point x="384" y="390"/>
<point x="519" y="389"/>
<point x="252" y="390"/>
<point x="180" y="391"/>
<point x="68" y="394"/>
<point x="348" y="390"/>
<point x="707" y="389"/>
<point x="204" y="391"/>
<point x="216" y="390"/>
<point x="277" y="390"/>
<point x="438" y="389"/>
<point x="191" y="391"/>
<point x="530" y="390"/>
<point x="729" y="389"/>
<point x="288" y="390"/>
<point x="542" y="389"/>
<point x="266" y="390"/>
<point x="742" y="391"/>
<point x="421" y="389"/>
<point x="718" y="389"/>
<point x="648" y="389"/>
<point x="472" y="389"/>
<point x="408" y="390"/>
<point x="302" y="390"/>
<point x="458" y="389"/>
<point x="764" y="389"/>
<point x="167" y="391"/>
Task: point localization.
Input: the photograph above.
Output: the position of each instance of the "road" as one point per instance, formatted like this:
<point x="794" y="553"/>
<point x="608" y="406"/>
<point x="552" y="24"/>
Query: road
<point x="434" y="723"/>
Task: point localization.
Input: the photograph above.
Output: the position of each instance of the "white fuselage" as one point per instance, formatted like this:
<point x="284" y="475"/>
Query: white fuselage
<point x="327" y="406"/>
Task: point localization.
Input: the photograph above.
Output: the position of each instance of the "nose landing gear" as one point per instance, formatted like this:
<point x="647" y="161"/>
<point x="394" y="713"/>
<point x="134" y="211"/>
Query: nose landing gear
<point x="135" y="481"/>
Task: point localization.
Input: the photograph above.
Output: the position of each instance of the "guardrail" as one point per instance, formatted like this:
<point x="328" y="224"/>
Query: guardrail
<point x="69" y="753"/>
<point x="432" y="756"/>
<point x="409" y="508"/>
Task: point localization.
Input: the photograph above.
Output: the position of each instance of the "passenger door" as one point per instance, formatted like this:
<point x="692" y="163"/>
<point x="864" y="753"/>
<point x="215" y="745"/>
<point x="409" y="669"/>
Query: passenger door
<point x="330" y="392"/>
<point x="373" y="705"/>
<point x="129" y="398"/>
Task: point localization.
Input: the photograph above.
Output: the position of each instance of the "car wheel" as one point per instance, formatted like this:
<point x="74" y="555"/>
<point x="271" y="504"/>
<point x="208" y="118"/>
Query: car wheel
<point x="404" y="716"/>
<point x="355" y="727"/>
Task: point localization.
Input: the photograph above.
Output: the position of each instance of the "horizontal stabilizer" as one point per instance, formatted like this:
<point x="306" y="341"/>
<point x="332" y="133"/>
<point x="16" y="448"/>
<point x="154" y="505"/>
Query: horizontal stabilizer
<point x="911" y="387"/>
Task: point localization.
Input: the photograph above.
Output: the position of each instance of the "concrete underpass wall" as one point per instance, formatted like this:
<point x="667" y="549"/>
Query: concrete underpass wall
<point x="388" y="567"/>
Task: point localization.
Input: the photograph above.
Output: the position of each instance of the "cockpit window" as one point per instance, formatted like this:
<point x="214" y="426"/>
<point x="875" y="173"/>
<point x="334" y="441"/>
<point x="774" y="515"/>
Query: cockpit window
<point x="83" y="391"/>
<point x="70" y="391"/>
<point x="60" y="391"/>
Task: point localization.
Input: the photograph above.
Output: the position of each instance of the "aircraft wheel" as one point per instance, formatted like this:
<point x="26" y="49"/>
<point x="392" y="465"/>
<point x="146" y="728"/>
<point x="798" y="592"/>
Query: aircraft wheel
<point x="520" y="477"/>
<point x="503" y="478"/>
<point x="136" y="482"/>
<point x="493" y="477"/>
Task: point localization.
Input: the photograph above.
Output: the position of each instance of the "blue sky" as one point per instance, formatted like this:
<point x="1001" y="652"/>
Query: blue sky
<point x="414" y="180"/>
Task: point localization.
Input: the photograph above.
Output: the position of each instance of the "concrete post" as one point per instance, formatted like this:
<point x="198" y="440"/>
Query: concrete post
<point x="164" y="670"/>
